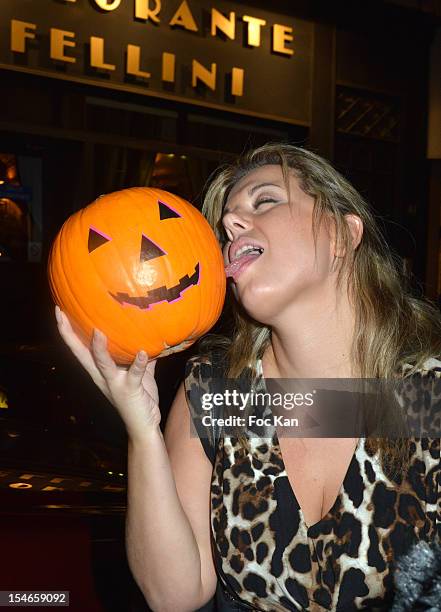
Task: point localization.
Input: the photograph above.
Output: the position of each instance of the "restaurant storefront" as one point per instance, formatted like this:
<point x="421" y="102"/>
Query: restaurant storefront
<point x="99" y="95"/>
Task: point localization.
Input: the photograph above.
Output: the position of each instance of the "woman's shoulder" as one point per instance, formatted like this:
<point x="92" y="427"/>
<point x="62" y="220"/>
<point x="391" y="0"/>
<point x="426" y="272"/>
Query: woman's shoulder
<point x="206" y="365"/>
<point x="202" y="375"/>
<point x="431" y="366"/>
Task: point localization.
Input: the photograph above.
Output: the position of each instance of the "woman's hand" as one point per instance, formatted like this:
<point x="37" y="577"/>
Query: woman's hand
<point x="132" y="391"/>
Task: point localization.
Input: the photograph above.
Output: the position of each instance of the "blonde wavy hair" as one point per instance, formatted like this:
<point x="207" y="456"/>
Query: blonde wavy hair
<point x="393" y="326"/>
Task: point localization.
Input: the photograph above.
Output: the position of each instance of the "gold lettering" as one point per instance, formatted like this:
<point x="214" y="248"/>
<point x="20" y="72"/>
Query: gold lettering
<point x="237" y="82"/>
<point x="168" y="67"/>
<point x="107" y="5"/>
<point x="222" y="23"/>
<point x="97" y="54"/>
<point x="143" y="10"/>
<point x="206" y="76"/>
<point x="59" y="42"/>
<point x="134" y="62"/>
<point x="254" y="25"/>
<point x="184" y="18"/>
<point x="19" y="33"/>
<point x="281" y="35"/>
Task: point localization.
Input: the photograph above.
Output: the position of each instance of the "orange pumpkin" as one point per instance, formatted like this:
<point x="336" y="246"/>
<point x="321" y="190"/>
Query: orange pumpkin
<point x="143" y="266"/>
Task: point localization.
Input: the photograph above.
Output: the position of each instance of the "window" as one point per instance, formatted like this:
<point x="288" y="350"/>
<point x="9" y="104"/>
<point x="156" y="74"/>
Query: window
<point x="20" y="208"/>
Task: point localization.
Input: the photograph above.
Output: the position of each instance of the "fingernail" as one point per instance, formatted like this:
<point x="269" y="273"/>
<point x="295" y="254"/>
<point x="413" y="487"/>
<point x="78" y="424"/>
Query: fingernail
<point x="60" y="316"/>
<point x="97" y="335"/>
<point x="142" y="355"/>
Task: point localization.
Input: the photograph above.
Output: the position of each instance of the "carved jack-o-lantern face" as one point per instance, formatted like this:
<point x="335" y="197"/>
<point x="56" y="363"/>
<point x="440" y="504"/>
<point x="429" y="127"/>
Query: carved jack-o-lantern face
<point x="142" y="265"/>
<point x="148" y="251"/>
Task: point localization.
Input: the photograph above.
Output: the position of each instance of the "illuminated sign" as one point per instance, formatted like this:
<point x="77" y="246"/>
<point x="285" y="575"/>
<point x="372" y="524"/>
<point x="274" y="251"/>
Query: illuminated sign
<point x="226" y="56"/>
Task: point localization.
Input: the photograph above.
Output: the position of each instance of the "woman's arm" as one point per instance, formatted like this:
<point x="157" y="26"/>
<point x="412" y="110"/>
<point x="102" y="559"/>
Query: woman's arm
<point x="168" y="515"/>
<point x="167" y="525"/>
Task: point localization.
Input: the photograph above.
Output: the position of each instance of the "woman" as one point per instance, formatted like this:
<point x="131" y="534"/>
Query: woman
<point x="296" y="523"/>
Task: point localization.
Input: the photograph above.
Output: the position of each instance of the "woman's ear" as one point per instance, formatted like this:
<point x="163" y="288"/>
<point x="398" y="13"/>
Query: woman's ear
<point x="355" y="226"/>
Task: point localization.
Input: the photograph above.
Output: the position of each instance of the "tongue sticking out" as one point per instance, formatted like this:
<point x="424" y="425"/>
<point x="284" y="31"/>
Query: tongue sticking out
<point x="236" y="266"/>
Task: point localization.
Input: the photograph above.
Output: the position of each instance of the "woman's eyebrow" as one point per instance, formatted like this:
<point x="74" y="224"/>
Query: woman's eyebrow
<point x="259" y="185"/>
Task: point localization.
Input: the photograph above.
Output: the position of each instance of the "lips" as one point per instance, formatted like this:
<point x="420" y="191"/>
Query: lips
<point x="240" y="243"/>
<point x="240" y="256"/>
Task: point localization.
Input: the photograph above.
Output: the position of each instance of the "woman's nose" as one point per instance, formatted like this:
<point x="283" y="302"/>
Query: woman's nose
<point x="236" y="222"/>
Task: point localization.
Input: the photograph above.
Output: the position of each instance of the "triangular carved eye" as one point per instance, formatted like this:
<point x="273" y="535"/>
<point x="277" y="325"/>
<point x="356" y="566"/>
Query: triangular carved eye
<point x="166" y="212"/>
<point x="96" y="239"/>
<point x="150" y="250"/>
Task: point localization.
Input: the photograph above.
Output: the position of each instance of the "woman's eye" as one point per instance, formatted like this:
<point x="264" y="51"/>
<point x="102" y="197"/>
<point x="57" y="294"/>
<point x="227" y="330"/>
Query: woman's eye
<point x="263" y="201"/>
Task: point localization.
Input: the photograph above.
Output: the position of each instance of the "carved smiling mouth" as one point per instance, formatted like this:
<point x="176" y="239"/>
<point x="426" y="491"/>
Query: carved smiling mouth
<point x="160" y="294"/>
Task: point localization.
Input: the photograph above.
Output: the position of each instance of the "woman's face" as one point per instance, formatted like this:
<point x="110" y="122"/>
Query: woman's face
<point x="286" y="273"/>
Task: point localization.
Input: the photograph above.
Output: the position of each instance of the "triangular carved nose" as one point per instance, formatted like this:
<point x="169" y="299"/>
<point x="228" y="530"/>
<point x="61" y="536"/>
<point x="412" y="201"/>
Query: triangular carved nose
<point x="150" y="250"/>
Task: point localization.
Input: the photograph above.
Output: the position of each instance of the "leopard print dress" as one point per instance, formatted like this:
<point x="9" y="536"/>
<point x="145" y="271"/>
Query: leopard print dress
<point x="272" y="561"/>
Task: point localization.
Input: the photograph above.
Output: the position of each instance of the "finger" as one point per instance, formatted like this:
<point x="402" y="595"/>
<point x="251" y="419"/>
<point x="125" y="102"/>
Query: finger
<point x="151" y="365"/>
<point x="77" y="347"/>
<point x="137" y="370"/>
<point x="57" y="313"/>
<point x="101" y="355"/>
<point x="147" y="379"/>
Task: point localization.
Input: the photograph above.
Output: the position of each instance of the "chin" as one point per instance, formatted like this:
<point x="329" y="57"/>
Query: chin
<point x="261" y="308"/>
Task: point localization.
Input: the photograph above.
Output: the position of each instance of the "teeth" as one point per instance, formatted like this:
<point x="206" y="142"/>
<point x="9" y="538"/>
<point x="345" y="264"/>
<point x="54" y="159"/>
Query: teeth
<point x="247" y="247"/>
